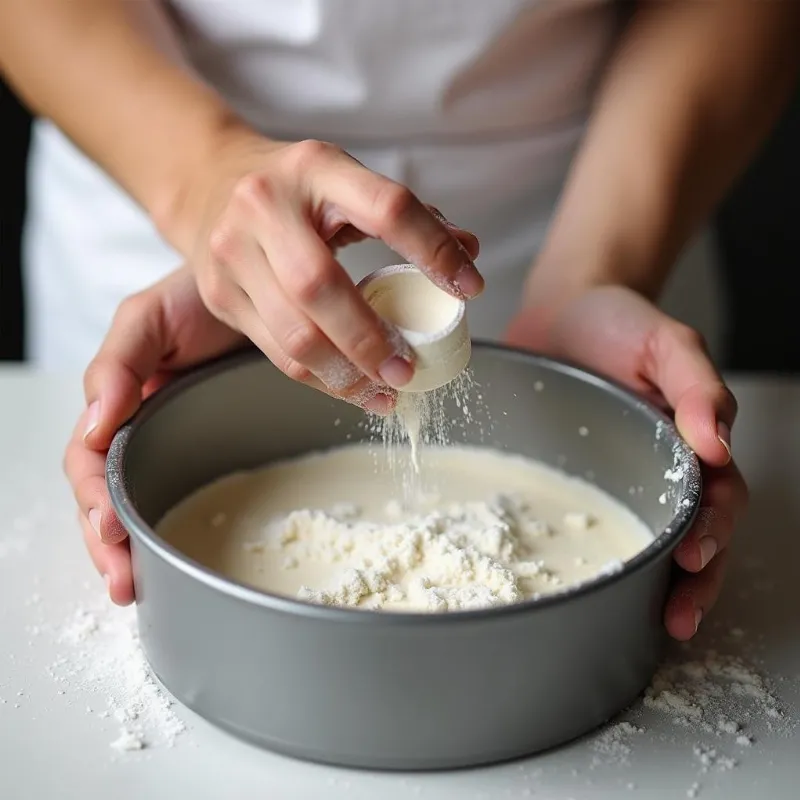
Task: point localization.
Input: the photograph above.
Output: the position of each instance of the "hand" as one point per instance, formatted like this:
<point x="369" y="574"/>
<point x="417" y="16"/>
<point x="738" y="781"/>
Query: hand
<point x="273" y="215"/>
<point x="155" y="333"/>
<point x="615" y="331"/>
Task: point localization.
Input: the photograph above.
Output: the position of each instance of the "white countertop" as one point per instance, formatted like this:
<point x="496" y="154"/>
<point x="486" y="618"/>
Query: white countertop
<point x="54" y="741"/>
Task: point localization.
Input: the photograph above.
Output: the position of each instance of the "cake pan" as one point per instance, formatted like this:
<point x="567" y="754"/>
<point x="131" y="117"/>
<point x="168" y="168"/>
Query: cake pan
<point x="401" y="691"/>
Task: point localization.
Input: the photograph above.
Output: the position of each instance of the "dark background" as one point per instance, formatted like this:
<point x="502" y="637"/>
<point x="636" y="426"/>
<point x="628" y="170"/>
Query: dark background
<point x="758" y="228"/>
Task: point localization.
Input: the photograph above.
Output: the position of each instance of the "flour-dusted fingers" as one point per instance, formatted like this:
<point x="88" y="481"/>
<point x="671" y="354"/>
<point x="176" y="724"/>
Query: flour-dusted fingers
<point x="321" y="304"/>
<point x="291" y="329"/>
<point x="364" y="393"/>
<point x="468" y="239"/>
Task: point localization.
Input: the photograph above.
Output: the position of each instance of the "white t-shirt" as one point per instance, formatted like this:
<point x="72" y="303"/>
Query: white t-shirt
<point x="477" y="105"/>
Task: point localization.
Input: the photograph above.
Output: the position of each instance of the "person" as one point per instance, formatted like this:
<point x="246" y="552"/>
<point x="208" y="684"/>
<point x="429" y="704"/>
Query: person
<point x="250" y="142"/>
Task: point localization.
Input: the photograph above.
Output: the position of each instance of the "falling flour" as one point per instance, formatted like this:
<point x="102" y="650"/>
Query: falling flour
<point x="102" y="658"/>
<point x="422" y="419"/>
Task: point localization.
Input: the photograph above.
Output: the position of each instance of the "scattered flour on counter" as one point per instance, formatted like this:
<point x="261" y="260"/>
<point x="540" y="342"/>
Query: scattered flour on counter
<point x="716" y="693"/>
<point x="709" y="758"/>
<point x="101" y="655"/>
<point x="613" y="744"/>
<point x="720" y="699"/>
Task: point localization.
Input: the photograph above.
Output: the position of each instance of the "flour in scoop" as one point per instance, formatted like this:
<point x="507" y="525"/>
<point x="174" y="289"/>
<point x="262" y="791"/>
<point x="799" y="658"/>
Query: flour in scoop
<point x="330" y="528"/>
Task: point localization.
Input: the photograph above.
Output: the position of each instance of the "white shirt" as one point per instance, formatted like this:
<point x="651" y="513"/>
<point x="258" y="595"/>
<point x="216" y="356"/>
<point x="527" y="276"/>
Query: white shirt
<point x="477" y="105"/>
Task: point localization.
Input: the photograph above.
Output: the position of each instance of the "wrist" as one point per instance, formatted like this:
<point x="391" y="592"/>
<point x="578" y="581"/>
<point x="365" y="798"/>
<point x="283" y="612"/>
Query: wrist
<point x="568" y="267"/>
<point x="181" y="202"/>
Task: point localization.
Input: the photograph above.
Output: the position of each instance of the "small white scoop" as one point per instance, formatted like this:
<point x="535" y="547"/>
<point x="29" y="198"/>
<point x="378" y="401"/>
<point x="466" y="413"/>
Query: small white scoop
<point x="433" y="322"/>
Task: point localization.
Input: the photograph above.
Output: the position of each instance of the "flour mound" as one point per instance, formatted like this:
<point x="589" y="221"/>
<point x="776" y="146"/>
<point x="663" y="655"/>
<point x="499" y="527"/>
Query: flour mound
<point x="460" y="558"/>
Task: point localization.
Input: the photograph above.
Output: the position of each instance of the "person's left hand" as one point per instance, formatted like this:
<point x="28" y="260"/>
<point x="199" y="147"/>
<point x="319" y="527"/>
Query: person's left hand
<point x="615" y="331"/>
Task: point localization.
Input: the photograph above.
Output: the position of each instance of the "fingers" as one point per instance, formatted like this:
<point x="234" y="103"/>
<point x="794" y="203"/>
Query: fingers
<point x="113" y="562"/>
<point x="724" y="501"/>
<point x="85" y="470"/>
<point x="333" y="313"/>
<point x="468" y="239"/>
<point x="692" y="597"/>
<point x="364" y="393"/>
<point x="105" y="538"/>
<point x="703" y="553"/>
<point x="304" y="298"/>
<point x="705" y="409"/>
<point x="274" y="241"/>
<point x="129" y="355"/>
<point x="389" y="211"/>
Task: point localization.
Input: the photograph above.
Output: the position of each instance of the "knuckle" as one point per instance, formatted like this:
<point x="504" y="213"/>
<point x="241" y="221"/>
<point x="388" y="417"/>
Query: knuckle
<point x="133" y="310"/>
<point x="311" y="286"/>
<point x="92" y="374"/>
<point x="394" y="202"/>
<point x="441" y="248"/>
<point x="688" y="336"/>
<point x="300" y="341"/>
<point x="358" y="391"/>
<point x="67" y="460"/>
<point x="369" y="348"/>
<point x="730" y="400"/>
<point x="222" y="243"/>
<point x="309" y="152"/>
<point x="214" y="290"/>
<point x="252" y="192"/>
<point x="294" y="370"/>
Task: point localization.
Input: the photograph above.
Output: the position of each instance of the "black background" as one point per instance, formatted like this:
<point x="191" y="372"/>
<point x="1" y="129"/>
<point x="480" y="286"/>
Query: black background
<point x="758" y="229"/>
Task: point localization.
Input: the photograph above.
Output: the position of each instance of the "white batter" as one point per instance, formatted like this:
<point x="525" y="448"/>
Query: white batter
<point x="328" y="528"/>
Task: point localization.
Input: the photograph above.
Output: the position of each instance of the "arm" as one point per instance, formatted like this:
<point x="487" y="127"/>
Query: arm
<point x="692" y="91"/>
<point x="111" y="74"/>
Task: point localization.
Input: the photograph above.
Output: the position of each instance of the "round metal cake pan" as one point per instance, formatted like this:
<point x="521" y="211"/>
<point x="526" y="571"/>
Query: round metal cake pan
<point x="386" y="690"/>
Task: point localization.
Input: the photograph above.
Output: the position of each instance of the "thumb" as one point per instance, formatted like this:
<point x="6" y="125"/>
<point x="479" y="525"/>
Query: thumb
<point x="705" y="409"/>
<point x="129" y="356"/>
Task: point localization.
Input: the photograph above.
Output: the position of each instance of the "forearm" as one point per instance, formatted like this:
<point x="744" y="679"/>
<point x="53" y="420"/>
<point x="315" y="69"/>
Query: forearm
<point x="693" y="90"/>
<point x="111" y="75"/>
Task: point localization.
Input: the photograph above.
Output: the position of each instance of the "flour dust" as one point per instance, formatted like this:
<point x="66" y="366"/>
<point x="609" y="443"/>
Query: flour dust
<point x="423" y="419"/>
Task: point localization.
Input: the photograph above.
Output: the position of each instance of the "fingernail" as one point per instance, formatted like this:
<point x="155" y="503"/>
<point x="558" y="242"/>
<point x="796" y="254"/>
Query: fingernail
<point x="698" y="618"/>
<point x="92" y="418"/>
<point x="439" y="216"/>
<point x="724" y="435"/>
<point x="95" y="517"/>
<point x="708" y="549"/>
<point x="380" y="404"/>
<point x="396" y="372"/>
<point x="469" y="281"/>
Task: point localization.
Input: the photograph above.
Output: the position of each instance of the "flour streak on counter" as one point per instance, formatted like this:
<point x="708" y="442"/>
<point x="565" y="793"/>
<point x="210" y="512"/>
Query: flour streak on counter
<point x="491" y="529"/>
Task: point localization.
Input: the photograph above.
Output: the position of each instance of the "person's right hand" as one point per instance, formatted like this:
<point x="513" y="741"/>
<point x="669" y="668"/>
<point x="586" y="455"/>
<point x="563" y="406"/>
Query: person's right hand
<point x="271" y="216"/>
